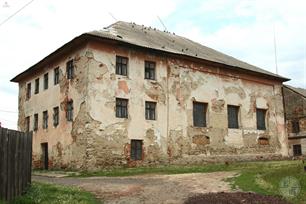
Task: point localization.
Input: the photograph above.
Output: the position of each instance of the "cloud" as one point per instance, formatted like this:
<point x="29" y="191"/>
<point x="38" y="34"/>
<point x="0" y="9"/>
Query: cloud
<point x="240" y="28"/>
<point x="249" y="33"/>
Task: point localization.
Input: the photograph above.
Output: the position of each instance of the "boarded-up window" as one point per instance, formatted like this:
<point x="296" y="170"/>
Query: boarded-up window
<point x="70" y="69"/>
<point x="199" y="114"/>
<point x="46" y="81"/>
<point x="150" y="110"/>
<point x="28" y="91"/>
<point x="297" y="150"/>
<point x="233" y="116"/>
<point x="69" y="112"/>
<point x="150" y="70"/>
<point x="295" y="126"/>
<point x="121" y="65"/>
<point x="35" y="125"/>
<point x="36" y="86"/>
<point x="55" y="116"/>
<point x="28" y="123"/>
<point x="121" y="108"/>
<point x="45" y="119"/>
<point x="136" y="149"/>
<point x="56" y="76"/>
<point x="261" y="118"/>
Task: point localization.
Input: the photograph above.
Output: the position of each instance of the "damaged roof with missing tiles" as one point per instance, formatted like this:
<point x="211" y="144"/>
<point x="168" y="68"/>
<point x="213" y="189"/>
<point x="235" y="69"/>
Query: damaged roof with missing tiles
<point x="169" y="42"/>
<point x="151" y="38"/>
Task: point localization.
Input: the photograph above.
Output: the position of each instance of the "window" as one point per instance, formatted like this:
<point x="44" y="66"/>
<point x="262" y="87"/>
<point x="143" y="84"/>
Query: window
<point x="70" y="69"/>
<point x="136" y="149"/>
<point x="232" y="114"/>
<point x="69" y="113"/>
<point x="45" y="119"/>
<point x="150" y="70"/>
<point x="56" y="76"/>
<point x="28" y="124"/>
<point x="121" y="108"/>
<point x="261" y="118"/>
<point x="150" y="110"/>
<point x="35" y="122"/>
<point x="297" y="150"/>
<point x="199" y="114"/>
<point x="36" y="86"/>
<point x="55" y="116"/>
<point x="28" y="91"/>
<point x="46" y="81"/>
<point x="121" y="65"/>
<point x="295" y="126"/>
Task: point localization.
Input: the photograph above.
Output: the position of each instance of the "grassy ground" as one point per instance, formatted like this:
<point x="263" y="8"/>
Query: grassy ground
<point x="40" y="193"/>
<point x="266" y="180"/>
<point x="186" y="169"/>
<point x="260" y="177"/>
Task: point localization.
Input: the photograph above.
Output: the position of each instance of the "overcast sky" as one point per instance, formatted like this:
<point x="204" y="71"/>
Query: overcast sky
<point x="240" y="28"/>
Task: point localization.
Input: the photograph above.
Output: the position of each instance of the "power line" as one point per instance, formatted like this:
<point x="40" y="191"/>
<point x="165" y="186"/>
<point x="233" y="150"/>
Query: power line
<point x="11" y="16"/>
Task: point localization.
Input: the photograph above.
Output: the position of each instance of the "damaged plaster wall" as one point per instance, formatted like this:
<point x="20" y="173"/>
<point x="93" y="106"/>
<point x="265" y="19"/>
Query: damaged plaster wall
<point x="64" y="149"/>
<point x="295" y="111"/>
<point x="97" y="139"/>
<point x="172" y="137"/>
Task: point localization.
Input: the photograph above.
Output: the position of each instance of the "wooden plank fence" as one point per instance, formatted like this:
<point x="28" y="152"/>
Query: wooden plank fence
<point x="15" y="163"/>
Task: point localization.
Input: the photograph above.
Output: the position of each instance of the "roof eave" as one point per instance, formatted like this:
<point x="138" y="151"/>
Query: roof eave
<point x="87" y="36"/>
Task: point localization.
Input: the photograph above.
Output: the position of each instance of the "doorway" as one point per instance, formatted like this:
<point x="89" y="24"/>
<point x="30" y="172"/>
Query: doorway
<point x="44" y="159"/>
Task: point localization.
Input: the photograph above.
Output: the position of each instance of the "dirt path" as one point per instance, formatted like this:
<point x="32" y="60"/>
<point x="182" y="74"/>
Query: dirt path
<point x="148" y="188"/>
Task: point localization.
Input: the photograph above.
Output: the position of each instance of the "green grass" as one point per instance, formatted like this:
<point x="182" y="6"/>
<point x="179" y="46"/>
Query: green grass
<point x="184" y="169"/>
<point x="40" y="193"/>
<point x="266" y="180"/>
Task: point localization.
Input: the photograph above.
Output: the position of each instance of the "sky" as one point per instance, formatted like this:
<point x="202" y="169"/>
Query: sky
<point x="241" y="28"/>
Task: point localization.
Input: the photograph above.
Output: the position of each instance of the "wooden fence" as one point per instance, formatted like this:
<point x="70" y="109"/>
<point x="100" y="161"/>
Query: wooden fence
<point x="15" y="163"/>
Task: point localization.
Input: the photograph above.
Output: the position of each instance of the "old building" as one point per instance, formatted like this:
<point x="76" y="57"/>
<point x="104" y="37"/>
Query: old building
<point x="133" y="95"/>
<point x="295" y="114"/>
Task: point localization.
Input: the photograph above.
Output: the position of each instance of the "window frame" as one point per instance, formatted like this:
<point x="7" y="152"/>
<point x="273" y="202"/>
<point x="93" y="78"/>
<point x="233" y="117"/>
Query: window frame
<point x="233" y="123"/>
<point x="295" y="126"/>
<point x="258" y="120"/>
<point x="121" y="67"/>
<point x="150" y="70"/>
<point x="136" y="151"/>
<point x="36" y="90"/>
<point x="29" y="90"/>
<point x="122" y="109"/>
<point x="297" y="151"/>
<point x="150" y="110"/>
<point x="55" y="116"/>
<point x="45" y="119"/>
<point x="69" y="112"/>
<point x="46" y="81"/>
<point x="70" y="69"/>
<point x="35" y="123"/>
<point x="28" y="123"/>
<point x="196" y="123"/>
<point x="56" y="78"/>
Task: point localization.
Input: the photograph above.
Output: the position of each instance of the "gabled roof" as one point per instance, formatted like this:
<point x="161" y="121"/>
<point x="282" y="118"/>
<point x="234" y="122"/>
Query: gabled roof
<point x="151" y="38"/>
<point x="300" y="91"/>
